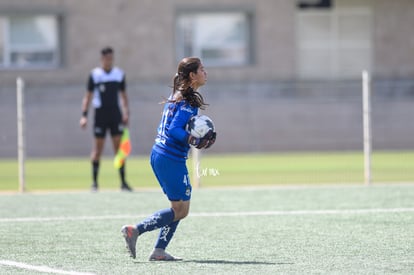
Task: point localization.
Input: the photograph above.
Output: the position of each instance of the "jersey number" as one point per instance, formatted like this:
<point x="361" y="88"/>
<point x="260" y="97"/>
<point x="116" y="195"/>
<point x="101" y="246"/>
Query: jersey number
<point x="186" y="179"/>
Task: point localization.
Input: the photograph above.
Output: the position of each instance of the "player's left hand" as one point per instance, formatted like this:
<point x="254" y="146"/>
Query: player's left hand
<point x="211" y="139"/>
<point x="198" y="143"/>
<point x="204" y="142"/>
<point x="125" y="119"/>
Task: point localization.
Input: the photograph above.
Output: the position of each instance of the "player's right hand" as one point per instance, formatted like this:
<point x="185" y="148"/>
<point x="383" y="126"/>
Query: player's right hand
<point x="83" y="122"/>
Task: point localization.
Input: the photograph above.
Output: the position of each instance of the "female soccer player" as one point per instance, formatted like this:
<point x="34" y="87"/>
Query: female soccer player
<point x="168" y="157"/>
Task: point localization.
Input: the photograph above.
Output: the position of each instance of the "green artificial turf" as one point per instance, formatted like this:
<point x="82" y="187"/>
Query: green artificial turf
<point x="336" y="229"/>
<point x="218" y="170"/>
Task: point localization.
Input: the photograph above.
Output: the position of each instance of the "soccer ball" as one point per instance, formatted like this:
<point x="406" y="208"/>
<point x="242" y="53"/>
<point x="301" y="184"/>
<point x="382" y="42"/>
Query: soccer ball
<point x="198" y="126"/>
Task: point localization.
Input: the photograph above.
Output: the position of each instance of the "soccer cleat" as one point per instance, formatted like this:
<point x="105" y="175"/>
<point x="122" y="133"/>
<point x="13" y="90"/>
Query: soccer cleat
<point x="160" y="255"/>
<point x="130" y="234"/>
<point x="126" y="187"/>
<point x="94" y="187"/>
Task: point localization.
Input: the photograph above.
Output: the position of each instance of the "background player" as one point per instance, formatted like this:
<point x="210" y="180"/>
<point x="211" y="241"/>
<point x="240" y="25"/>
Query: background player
<point x="168" y="158"/>
<point x="106" y="85"/>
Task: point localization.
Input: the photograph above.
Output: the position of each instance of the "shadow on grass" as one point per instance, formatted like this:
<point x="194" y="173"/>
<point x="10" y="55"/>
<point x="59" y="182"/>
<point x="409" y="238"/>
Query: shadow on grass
<point x="234" y="262"/>
<point x="218" y="262"/>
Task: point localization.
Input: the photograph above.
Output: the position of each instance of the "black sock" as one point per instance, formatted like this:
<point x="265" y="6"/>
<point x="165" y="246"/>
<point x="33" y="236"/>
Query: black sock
<point x="122" y="174"/>
<point x="95" y="170"/>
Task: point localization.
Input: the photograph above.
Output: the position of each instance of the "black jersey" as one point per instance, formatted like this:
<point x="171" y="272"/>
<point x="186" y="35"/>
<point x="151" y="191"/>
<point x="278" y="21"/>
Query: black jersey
<point x="105" y="87"/>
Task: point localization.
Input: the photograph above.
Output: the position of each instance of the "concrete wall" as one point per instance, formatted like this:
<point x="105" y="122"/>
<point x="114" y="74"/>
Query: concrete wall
<point x="255" y="118"/>
<point x="393" y="39"/>
<point x="143" y="32"/>
<point x="260" y="107"/>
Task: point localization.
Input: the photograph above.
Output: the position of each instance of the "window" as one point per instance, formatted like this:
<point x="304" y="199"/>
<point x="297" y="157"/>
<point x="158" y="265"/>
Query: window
<point x="335" y="42"/>
<point x="220" y="39"/>
<point x="28" y="41"/>
<point x="314" y="4"/>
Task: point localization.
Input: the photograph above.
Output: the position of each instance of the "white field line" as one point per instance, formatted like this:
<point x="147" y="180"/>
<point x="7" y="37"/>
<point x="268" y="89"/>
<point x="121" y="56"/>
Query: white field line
<point x="218" y="214"/>
<point x="44" y="269"/>
<point x="213" y="188"/>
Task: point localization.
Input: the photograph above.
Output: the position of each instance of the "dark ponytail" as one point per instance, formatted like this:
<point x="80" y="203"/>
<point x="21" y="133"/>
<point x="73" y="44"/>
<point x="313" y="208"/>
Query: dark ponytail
<point x="181" y="83"/>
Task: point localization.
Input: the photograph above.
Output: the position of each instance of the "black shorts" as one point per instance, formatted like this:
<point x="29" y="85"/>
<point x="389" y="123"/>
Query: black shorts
<point x="105" y="121"/>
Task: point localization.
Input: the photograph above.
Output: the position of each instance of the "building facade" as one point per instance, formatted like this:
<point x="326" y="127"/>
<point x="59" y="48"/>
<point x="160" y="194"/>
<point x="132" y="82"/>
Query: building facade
<point x="280" y="68"/>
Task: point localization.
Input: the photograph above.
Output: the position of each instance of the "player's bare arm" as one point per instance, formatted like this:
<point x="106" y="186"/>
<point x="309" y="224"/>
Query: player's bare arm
<point x="125" y="108"/>
<point x="85" y="106"/>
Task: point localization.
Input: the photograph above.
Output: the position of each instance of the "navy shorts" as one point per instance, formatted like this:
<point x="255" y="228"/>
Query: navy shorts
<point x="109" y="120"/>
<point x="172" y="176"/>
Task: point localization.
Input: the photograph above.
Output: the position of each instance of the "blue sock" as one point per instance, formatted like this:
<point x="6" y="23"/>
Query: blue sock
<point x="166" y="234"/>
<point x="157" y="220"/>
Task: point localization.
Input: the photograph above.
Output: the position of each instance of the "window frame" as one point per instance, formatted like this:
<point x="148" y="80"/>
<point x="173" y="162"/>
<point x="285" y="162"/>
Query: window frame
<point x="247" y="11"/>
<point x="58" y="59"/>
<point x="334" y="45"/>
<point x="315" y="4"/>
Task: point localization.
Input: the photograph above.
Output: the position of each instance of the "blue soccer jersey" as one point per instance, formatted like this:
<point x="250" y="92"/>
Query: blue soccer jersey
<point x="172" y="138"/>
